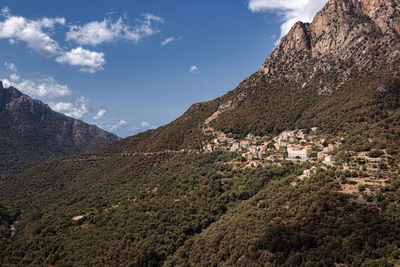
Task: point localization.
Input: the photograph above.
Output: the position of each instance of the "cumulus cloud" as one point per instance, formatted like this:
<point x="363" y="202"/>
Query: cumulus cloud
<point x="194" y="70"/>
<point x="88" y="61"/>
<point x="35" y="33"/>
<point x="291" y="10"/>
<point x="76" y="110"/>
<point x="98" y="32"/>
<point x="100" y="114"/>
<point x="45" y="87"/>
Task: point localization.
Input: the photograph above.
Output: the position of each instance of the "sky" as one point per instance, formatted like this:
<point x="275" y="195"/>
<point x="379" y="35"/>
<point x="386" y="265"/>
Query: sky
<point x="129" y="66"/>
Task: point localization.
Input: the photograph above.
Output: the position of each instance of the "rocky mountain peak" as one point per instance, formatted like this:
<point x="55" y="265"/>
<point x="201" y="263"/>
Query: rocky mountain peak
<point x="385" y="14"/>
<point x="343" y="30"/>
<point x="11" y="98"/>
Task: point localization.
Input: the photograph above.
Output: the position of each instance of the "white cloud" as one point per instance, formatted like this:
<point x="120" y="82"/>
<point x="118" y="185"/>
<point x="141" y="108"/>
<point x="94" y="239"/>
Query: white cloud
<point x="33" y="32"/>
<point x="88" y="61"/>
<point x="145" y="124"/>
<point x="169" y="40"/>
<point x="11" y="66"/>
<point x="111" y="126"/>
<point x="194" y="69"/>
<point x="76" y="110"/>
<point x="36" y="33"/>
<point x="45" y="87"/>
<point x="292" y="10"/>
<point x="97" y="32"/>
<point x="14" y="77"/>
<point x="100" y="114"/>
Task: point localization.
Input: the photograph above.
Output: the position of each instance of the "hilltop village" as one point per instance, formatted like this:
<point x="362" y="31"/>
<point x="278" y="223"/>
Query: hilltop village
<point x="297" y="146"/>
<point x="308" y="146"/>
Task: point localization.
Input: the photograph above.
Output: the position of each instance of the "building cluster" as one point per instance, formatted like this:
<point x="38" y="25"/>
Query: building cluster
<point x="256" y="149"/>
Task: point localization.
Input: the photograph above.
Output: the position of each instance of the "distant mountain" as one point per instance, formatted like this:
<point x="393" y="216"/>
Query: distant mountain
<point x="158" y="199"/>
<point x="30" y="132"/>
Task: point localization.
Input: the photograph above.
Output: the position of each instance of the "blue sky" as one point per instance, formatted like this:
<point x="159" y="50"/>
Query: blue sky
<point x="128" y="66"/>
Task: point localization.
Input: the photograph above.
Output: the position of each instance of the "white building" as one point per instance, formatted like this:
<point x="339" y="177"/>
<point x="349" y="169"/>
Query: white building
<point x="235" y="147"/>
<point x="302" y="153"/>
<point x="244" y="143"/>
<point x="329" y="159"/>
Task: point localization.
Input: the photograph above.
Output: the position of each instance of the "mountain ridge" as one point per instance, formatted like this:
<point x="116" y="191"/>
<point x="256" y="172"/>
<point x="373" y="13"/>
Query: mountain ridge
<point x="30" y="126"/>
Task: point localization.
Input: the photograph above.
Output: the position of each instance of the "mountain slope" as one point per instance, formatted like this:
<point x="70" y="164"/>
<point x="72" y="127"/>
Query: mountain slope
<point x="301" y="223"/>
<point x="30" y="133"/>
<point x="345" y="61"/>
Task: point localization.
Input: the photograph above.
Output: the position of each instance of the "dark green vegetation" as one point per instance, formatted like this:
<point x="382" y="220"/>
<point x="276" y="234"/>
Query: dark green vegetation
<point x="7" y="218"/>
<point x="136" y="209"/>
<point x="180" y="209"/>
<point x="304" y="224"/>
<point x="31" y="133"/>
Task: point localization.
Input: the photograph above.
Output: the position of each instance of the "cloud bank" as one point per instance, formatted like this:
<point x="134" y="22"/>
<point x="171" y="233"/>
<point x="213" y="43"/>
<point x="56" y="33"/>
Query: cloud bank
<point x="36" y="34"/>
<point x="44" y="87"/>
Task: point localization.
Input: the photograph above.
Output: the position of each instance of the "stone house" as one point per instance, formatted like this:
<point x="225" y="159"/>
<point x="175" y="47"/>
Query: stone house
<point x="235" y="147"/>
<point x="244" y="143"/>
<point x="302" y="153"/>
